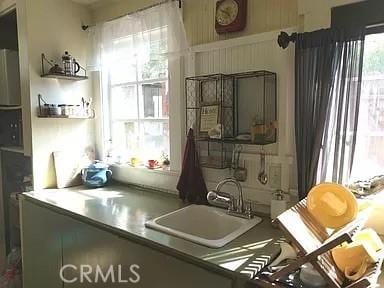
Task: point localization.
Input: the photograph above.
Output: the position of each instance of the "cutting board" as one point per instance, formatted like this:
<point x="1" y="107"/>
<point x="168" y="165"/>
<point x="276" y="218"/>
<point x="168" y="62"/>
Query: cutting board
<point x="68" y="166"/>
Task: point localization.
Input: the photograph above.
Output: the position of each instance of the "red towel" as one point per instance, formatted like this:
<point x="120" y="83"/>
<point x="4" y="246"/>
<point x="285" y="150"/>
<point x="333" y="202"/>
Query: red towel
<point x="191" y="185"/>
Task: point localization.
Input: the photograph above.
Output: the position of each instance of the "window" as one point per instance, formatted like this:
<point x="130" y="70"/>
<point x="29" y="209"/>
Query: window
<point x="138" y="99"/>
<point x="139" y="60"/>
<point x="369" y="152"/>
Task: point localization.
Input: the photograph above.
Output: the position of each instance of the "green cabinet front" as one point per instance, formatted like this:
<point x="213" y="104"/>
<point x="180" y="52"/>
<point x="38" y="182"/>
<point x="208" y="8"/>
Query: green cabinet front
<point x="59" y="251"/>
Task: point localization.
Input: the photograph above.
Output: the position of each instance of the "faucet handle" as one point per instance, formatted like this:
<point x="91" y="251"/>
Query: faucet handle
<point x="248" y="208"/>
<point x="231" y="206"/>
<point x="221" y="199"/>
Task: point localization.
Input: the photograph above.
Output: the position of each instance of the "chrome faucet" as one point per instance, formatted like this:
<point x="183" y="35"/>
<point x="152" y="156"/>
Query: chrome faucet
<point x="226" y="200"/>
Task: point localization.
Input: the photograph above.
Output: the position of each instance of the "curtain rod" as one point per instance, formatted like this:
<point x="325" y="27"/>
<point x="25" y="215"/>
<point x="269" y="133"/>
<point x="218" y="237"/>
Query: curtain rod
<point x="85" y="27"/>
<point x="284" y="39"/>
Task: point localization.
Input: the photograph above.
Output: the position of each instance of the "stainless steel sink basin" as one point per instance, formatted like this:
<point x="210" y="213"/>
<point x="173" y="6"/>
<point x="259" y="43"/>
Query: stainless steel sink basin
<point x="205" y="225"/>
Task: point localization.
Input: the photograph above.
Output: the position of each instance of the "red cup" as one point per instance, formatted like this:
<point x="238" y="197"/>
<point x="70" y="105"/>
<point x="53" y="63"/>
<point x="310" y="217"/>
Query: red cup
<point x="152" y="164"/>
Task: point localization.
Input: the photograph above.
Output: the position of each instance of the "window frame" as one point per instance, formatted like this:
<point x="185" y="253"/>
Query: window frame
<point x="374" y="29"/>
<point x="176" y="128"/>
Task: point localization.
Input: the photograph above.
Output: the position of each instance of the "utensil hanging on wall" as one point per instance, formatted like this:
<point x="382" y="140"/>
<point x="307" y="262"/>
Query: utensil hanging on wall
<point x="239" y="173"/>
<point x="236" y="156"/>
<point x="263" y="177"/>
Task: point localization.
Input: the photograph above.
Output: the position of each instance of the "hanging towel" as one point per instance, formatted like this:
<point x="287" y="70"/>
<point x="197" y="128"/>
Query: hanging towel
<point x="191" y="185"/>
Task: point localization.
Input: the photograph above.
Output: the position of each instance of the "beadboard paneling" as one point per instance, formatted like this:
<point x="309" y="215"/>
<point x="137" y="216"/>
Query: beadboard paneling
<point x="257" y="52"/>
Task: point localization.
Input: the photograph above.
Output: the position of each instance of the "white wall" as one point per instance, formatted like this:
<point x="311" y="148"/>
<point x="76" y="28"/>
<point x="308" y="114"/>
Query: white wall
<point x="51" y="27"/>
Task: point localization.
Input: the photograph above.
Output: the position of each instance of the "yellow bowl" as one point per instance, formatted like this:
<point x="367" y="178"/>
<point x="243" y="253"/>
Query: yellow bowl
<point x="332" y="205"/>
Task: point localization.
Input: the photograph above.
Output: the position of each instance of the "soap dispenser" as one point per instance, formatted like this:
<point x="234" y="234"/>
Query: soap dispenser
<point x="278" y="204"/>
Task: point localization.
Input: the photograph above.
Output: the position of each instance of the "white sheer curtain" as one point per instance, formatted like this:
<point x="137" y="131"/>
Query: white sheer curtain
<point x="103" y="35"/>
<point x="134" y="54"/>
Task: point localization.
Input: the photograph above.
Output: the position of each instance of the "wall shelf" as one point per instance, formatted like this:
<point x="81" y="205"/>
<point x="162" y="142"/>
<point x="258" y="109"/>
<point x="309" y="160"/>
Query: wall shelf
<point x="261" y="142"/>
<point x="52" y="72"/>
<point x="15" y="149"/>
<point x="210" y="104"/>
<point x="10" y="108"/>
<point x="64" y="76"/>
<point x="65" y="117"/>
<point x="228" y="106"/>
<point x="44" y="111"/>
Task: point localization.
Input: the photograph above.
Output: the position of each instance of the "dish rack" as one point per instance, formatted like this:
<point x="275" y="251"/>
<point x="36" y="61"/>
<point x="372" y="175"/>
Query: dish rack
<point x="315" y="244"/>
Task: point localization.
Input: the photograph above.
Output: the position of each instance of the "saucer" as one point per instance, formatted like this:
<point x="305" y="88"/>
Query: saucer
<point x="153" y="168"/>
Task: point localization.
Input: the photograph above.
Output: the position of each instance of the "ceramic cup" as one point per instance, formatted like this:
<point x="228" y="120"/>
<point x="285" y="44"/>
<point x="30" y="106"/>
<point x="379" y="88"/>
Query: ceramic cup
<point x="134" y="161"/>
<point x="353" y="261"/>
<point x="152" y="164"/>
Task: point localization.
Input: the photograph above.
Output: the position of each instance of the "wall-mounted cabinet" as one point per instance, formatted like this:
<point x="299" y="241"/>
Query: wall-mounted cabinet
<point x="224" y="110"/>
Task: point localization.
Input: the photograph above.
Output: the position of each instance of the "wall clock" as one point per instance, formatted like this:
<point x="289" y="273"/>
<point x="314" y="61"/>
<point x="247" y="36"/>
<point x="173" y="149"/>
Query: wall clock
<point x="231" y="15"/>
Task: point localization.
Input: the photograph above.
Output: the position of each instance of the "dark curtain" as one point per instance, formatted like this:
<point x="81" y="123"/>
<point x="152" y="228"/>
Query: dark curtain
<point x="328" y="76"/>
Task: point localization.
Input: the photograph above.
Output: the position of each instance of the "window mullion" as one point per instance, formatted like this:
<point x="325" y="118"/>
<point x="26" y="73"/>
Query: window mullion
<point x="109" y="116"/>
<point x="149" y="81"/>
<point x="137" y="91"/>
<point x="141" y="74"/>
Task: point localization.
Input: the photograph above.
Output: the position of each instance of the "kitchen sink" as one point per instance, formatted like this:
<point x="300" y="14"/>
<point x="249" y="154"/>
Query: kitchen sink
<point x="205" y="225"/>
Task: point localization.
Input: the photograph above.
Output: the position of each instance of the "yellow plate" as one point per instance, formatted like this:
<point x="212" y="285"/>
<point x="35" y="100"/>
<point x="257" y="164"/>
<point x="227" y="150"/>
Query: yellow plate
<point x="332" y="205"/>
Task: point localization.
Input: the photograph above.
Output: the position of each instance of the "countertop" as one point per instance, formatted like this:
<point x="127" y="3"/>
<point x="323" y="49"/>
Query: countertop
<point x="123" y="210"/>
